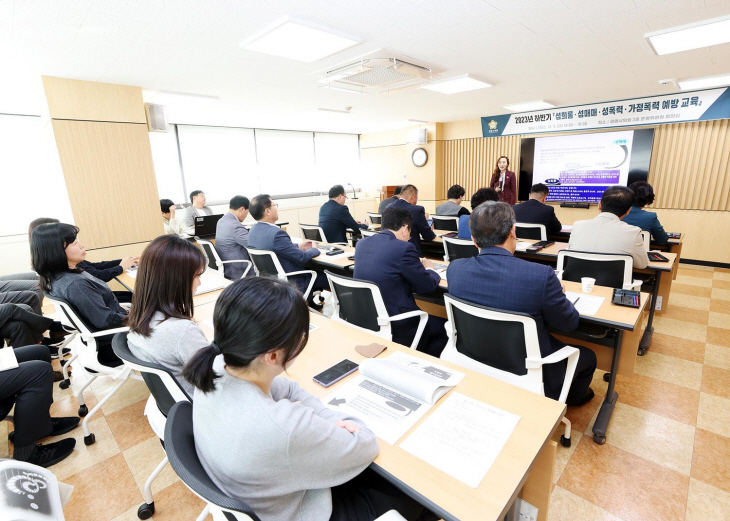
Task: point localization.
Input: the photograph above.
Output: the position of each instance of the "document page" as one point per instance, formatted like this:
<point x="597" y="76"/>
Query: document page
<point x="522" y="246"/>
<point x="585" y="304"/>
<point x="462" y="438"/>
<point x="7" y="359"/>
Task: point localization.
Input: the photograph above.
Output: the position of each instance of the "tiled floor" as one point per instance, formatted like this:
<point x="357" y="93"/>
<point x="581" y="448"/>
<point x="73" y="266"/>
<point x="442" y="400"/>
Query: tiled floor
<point x="667" y="456"/>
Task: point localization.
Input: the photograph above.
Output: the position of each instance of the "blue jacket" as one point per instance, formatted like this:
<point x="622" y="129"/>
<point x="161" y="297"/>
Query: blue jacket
<point x="231" y="239"/>
<point x="647" y="221"/>
<point x="498" y="279"/>
<point x="464" y="231"/>
<point x="265" y="236"/>
<point x="533" y="211"/>
<point x="420" y="229"/>
<point x="335" y="219"/>
<point x="396" y="268"/>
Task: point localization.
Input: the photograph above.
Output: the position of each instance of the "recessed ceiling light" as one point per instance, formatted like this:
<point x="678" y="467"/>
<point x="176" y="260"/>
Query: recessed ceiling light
<point x="691" y="36"/>
<point x="300" y="42"/>
<point x="704" y="83"/>
<point x="529" y="105"/>
<point x="456" y="84"/>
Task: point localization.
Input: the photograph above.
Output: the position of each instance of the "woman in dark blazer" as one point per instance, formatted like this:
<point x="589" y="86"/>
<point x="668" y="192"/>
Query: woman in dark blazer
<point x="504" y="181"/>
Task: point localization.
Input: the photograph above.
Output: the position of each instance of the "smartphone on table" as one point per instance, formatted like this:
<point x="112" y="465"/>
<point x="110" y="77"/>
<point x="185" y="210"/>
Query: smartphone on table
<point x="335" y="373"/>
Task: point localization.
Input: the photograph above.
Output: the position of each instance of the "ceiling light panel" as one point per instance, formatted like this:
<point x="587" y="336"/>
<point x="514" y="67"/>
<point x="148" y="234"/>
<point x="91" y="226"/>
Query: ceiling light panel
<point x="529" y="105"/>
<point x="299" y="42"/>
<point x="455" y="85"/>
<point x="692" y="36"/>
<point x="705" y="83"/>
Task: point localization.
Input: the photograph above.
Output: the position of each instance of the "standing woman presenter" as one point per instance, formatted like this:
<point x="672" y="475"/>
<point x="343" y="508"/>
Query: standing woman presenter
<point x="504" y="182"/>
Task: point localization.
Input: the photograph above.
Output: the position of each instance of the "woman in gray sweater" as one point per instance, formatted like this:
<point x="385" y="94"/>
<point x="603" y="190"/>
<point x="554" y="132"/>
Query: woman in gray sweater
<point x="265" y="440"/>
<point x="161" y="327"/>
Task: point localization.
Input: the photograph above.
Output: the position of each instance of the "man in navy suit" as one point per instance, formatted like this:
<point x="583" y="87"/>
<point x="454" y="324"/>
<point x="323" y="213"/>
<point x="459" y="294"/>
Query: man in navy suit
<point x="335" y="218"/>
<point x="498" y="279"/>
<point x="420" y="229"/>
<point x="535" y="211"/>
<point x="266" y="235"/>
<point x="389" y="260"/>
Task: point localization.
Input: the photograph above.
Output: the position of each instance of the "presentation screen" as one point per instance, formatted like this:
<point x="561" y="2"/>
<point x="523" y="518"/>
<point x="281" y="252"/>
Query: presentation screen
<point x="579" y="167"/>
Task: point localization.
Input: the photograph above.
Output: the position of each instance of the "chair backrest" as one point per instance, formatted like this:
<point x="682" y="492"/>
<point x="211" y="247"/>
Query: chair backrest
<point x="162" y="384"/>
<point x="312" y="232"/>
<point x="531" y="231"/>
<point x="609" y="269"/>
<point x="646" y="236"/>
<point x="358" y="303"/>
<point x="368" y="233"/>
<point x="458" y="249"/>
<point x="445" y="222"/>
<point x="265" y="262"/>
<point x="375" y="218"/>
<point x="180" y="449"/>
<point x="214" y="260"/>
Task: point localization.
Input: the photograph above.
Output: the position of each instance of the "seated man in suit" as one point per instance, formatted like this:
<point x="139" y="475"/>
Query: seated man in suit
<point x="605" y="233"/>
<point x="386" y="202"/>
<point x="389" y="260"/>
<point x="266" y="235"/>
<point x="231" y="238"/>
<point x="196" y="209"/>
<point x="480" y="196"/>
<point x="335" y="218"/>
<point x="172" y="225"/>
<point x="420" y="230"/>
<point x="498" y="279"/>
<point x="648" y="221"/>
<point x="535" y="211"/>
<point x="453" y="207"/>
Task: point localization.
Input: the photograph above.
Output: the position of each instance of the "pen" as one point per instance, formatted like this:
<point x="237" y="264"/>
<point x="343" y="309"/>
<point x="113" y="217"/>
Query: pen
<point x="576" y="301"/>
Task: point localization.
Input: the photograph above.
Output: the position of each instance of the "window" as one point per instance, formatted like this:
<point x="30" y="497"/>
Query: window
<point x="338" y="160"/>
<point x="167" y="165"/>
<point x="286" y="162"/>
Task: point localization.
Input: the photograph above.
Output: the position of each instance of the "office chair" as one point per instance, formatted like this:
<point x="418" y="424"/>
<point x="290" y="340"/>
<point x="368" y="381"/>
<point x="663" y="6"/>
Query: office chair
<point x="505" y="346"/>
<point x="445" y="222"/>
<point x="358" y="303"/>
<point x="368" y="233"/>
<point x="265" y="262"/>
<point x="646" y="237"/>
<point x="180" y="447"/>
<point x="375" y="218"/>
<point x="214" y="261"/>
<point x="609" y="269"/>
<point x="531" y="231"/>
<point x="29" y="492"/>
<point x="458" y="249"/>
<point x="85" y="350"/>
<point x="311" y="232"/>
<point x="165" y="391"/>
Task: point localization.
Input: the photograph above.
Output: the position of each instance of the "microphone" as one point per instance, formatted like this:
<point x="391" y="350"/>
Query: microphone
<point x="353" y="191"/>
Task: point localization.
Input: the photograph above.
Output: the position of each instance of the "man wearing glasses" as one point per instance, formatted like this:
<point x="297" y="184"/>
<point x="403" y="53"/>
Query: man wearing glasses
<point x="335" y="217"/>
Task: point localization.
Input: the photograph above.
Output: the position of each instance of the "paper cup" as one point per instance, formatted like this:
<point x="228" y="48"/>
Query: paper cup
<point x="587" y="284"/>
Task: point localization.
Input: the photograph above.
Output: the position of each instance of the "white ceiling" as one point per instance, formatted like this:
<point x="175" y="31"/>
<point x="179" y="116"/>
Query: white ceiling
<point x="564" y="51"/>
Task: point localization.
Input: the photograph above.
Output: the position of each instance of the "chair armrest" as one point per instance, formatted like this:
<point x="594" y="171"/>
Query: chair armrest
<point x="422" y="316"/>
<point x="248" y="268"/>
<point x="311" y="273"/>
<point x="559" y="274"/>
<point x="106" y="332"/>
<point x="635" y="285"/>
<point x="567" y="352"/>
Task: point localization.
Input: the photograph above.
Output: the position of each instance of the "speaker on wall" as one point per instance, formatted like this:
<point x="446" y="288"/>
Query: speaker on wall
<point x="422" y="138"/>
<point x="156" y="117"/>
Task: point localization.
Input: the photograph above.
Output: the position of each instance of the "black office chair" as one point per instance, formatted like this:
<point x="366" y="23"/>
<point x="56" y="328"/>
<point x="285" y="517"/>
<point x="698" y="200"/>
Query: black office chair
<point x="214" y="261"/>
<point x="458" y="249"/>
<point x="612" y="270"/>
<point x="531" y="231"/>
<point x="180" y="448"/>
<point x="375" y="218"/>
<point x="447" y="223"/>
<point x="265" y="262"/>
<point x="316" y="233"/>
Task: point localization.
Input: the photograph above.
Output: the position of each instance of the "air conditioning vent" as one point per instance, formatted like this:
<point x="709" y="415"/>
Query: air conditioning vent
<point x="377" y="74"/>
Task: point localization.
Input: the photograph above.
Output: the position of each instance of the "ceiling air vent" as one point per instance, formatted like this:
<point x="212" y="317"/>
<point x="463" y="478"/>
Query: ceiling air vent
<point x="376" y="75"/>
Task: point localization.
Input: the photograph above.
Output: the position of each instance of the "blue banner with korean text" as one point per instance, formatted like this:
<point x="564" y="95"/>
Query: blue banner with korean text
<point x="655" y="110"/>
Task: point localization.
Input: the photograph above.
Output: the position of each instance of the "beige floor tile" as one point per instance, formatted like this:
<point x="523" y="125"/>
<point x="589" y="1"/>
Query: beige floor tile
<point x="176" y="503"/>
<point x="678" y="347"/>
<point x="131" y="392"/>
<point x="721" y="284"/>
<point x="4" y="445"/>
<point x="721" y="320"/>
<point x="721" y="275"/>
<point x="711" y="459"/>
<point x="566" y="506"/>
<point x="714" y="414"/>
<point x="718" y="336"/>
<point x="129" y="515"/>
<point x="697" y="268"/>
<point x="716" y="381"/>
<point x="670" y="369"/>
<point x="720" y="306"/>
<point x="680" y="328"/>
<point x="705" y="502"/>
<point x="130" y="426"/>
<point x="689" y="289"/>
<point x="564" y="453"/>
<point x="690" y="301"/>
<point x="688" y="278"/>
<point x="143" y="458"/>
<point x="722" y="294"/>
<point x="717" y="356"/>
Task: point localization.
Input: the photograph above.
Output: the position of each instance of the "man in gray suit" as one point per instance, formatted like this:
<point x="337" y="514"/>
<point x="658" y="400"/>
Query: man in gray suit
<point x="197" y="209"/>
<point x="606" y="233"/>
<point x="231" y="238"/>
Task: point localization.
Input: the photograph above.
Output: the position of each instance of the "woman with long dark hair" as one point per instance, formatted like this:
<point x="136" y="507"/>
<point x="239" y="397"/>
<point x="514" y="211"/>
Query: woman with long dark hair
<point x="504" y="181"/>
<point x="55" y="255"/>
<point x="161" y="327"/>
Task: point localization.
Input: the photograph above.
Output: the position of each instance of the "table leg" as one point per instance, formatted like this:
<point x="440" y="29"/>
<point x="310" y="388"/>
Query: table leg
<point x="609" y="403"/>
<point x="649" y="331"/>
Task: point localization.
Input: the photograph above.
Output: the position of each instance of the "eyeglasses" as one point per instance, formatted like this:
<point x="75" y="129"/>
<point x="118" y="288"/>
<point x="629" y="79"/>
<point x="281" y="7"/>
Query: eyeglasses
<point x="273" y="205"/>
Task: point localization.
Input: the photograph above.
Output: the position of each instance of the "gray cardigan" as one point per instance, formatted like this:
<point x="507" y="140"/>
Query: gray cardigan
<point x="278" y="456"/>
<point x="91" y="298"/>
<point x="172" y="343"/>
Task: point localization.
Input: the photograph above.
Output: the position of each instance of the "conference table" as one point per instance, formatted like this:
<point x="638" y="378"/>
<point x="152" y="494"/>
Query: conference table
<point x="524" y="467"/>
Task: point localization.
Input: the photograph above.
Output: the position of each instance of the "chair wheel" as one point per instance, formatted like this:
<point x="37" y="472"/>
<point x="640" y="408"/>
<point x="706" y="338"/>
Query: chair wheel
<point x="565" y="442"/>
<point x="90" y="439"/>
<point x="641" y="352"/>
<point x="64" y="384"/>
<point x="83" y="411"/>
<point x="146" y="511"/>
<point x="606" y="377"/>
<point x="599" y="439"/>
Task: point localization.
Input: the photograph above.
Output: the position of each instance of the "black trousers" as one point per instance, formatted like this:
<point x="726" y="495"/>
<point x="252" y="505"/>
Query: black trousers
<point x="30" y="387"/>
<point x="554" y="374"/>
<point x="433" y="340"/>
<point x="369" y="496"/>
<point x="20" y="326"/>
<point x="23" y="282"/>
<point x="28" y="297"/>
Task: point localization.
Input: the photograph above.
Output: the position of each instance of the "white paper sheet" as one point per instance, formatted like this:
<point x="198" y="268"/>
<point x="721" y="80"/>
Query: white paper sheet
<point x="567" y="228"/>
<point x="462" y="438"/>
<point x="132" y="272"/>
<point x="7" y="359"/>
<point x="522" y="246"/>
<point x="585" y="304"/>
<point x="312" y="327"/>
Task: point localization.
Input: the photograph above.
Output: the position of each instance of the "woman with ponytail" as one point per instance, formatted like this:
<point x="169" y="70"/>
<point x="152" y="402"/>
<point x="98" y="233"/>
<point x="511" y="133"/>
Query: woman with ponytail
<point x="261" y="437"/>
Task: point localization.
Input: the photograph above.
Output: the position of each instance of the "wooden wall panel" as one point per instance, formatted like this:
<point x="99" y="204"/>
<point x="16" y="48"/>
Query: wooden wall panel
<point x="110" y="180"/>
<point x="92" y="101"/>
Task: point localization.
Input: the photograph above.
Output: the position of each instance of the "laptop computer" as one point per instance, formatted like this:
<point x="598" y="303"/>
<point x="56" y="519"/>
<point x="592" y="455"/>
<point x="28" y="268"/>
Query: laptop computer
<point x="205" y="226"/>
